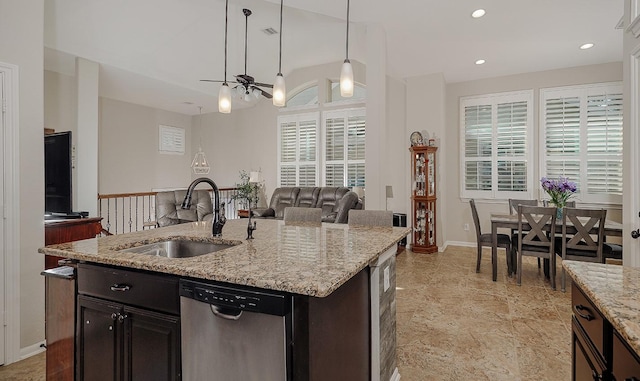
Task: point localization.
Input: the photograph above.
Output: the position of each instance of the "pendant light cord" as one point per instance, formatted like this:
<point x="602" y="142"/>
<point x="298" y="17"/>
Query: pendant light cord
<point x="280" y="54"/>
<point x="246" y="29"/>
<point x="226" y="23"/>
<point x="347" y="55"/>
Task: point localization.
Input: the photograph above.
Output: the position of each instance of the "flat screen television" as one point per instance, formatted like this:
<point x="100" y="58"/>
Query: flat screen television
<point x="57" y="173"/>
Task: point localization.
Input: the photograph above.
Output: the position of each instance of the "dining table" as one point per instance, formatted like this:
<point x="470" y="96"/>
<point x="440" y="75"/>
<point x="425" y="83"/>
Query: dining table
<point x="510" y="221"/>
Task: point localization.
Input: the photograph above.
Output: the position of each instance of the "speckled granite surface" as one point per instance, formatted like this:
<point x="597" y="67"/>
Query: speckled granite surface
<point x="307" y="260"/>
<point x="615" y="291"/>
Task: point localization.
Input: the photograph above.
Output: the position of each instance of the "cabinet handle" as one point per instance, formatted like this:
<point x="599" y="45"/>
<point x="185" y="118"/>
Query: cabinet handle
<point x="579" y="308"/>
<point x="120" y="287"/>
<point x="631" y="379"/>
<point x="114" y="316"/>
<point x="122" y="317"/>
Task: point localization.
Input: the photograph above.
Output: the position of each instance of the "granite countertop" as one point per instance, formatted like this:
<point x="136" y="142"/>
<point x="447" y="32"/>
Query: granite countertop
<point x="614" y="290"/>
<point x="303" y="259"/>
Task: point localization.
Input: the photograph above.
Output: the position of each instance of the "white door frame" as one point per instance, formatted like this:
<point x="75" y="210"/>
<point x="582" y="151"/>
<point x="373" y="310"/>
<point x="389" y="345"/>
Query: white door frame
<point x="11" y="212"/>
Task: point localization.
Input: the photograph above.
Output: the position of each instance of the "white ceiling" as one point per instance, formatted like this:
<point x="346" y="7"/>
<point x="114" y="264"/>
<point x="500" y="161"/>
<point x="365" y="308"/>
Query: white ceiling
<point x="153" y="52"/>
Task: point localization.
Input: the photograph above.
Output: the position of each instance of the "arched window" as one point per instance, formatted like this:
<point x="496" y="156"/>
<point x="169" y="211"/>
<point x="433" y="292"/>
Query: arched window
<point x="359" y="93"/>
<point x="306" y="97"/>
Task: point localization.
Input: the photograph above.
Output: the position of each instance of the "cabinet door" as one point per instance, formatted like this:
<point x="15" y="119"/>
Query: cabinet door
<point x="99" y="338"/>
<point x="152" y="345"/>
<point x="586" y="362"/>
<point x="626" y="365"/>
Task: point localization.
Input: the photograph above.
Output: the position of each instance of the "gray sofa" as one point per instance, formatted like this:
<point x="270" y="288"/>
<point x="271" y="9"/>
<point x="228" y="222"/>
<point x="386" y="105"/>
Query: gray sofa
<point x="335" y="202"/>
<point x="169" y="207"/>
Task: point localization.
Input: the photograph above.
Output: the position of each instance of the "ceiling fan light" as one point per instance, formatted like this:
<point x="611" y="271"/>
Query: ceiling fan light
<point x="279" y="91"/>
<point x="346" y="80"/>
<point x="224" y="99"/>
<point x="256" y="93"/>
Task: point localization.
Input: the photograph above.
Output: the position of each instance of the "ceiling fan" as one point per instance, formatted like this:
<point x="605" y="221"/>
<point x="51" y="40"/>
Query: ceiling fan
<point x="246" y="84"/>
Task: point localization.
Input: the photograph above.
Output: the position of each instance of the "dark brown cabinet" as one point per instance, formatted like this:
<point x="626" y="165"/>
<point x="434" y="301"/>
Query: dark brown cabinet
<point x="423" y="199"/>
<point x="61" y="231"/>
<point x="128" y="325"/>
<point x="599" y="351"/>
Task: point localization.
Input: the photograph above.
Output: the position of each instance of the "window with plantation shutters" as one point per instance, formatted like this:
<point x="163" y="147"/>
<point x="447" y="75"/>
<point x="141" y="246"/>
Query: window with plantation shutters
<point x="344" y="146"/>
<point x="496" y="132"/>
<point x="298" y="150"/>
<point x="581" y="133"/>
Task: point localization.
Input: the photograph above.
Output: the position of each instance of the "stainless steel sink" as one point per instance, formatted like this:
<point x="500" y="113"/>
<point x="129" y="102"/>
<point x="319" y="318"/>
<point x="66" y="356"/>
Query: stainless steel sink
<point x="178" y="248"/>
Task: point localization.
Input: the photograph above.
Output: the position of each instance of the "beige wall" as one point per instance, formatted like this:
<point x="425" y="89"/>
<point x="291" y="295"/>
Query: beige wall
<point x="129" y="160"/>
<point x="21" y="25"/>
<point x="455" y="212"/>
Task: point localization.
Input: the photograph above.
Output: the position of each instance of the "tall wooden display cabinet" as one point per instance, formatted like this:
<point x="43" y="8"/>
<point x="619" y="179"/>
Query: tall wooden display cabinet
<point x="423" y="199"/>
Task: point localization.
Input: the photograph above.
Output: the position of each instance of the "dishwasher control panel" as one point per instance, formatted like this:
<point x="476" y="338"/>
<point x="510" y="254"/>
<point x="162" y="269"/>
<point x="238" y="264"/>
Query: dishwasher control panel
<point x="253" y="300"/>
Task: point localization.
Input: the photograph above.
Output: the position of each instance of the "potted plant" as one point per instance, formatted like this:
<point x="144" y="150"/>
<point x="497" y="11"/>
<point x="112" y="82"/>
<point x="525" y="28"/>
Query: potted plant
<point x="247" y="192"/>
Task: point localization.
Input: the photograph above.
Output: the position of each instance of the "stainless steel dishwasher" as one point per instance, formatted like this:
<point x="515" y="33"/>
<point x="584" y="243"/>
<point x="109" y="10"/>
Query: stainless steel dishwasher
<point x="234" y="333"/>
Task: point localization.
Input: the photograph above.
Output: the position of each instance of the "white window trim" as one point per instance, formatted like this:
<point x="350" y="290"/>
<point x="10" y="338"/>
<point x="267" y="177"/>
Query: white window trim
<point x="580" y="91"/>
<point x="494" y="99"/>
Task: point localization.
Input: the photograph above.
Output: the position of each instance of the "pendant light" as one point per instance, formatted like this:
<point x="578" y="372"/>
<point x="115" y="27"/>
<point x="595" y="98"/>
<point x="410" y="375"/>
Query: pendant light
<point x="224" y="96"/>
<point x="346" y="75"/>
<point x="200" y="165"/>
<point x="279" y="87"/>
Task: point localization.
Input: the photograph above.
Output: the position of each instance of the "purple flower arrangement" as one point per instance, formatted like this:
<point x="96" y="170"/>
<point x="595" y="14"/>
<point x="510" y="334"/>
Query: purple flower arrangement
<point x="559" y="190"/>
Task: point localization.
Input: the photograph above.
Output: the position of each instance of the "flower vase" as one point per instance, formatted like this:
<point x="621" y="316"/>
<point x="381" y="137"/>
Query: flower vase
<point x="559" y="209"/>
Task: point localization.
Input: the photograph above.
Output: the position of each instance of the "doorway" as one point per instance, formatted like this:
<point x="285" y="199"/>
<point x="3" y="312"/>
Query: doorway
<point x="9" y="216"/>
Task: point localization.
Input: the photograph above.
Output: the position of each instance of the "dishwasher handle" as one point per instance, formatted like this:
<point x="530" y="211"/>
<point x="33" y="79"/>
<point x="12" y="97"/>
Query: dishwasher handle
<point x="223" y="313"/>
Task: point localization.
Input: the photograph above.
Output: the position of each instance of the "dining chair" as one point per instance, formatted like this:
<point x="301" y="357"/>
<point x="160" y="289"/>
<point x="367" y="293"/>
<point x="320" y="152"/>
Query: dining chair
<point x="293" y="215"/>
<point x="536" y="237"/>
<point x="370" y="217"/>
<point x="513" y="209"/>
<point x="513" y="204"/>
<point x="581" y="245"/>
<point x="485" y="240"/>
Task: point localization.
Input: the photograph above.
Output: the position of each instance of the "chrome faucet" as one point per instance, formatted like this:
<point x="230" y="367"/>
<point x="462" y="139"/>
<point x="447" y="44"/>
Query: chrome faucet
<point x="218" y="218"/>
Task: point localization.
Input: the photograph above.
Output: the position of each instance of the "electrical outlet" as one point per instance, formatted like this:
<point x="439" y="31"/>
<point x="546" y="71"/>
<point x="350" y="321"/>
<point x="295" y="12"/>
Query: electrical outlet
<point x="466" y="227"/>
<point x="386" y="278"/>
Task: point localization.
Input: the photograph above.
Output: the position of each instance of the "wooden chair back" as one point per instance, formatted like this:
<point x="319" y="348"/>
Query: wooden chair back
<point x="513" y="204"/>
<point x="476" y="219"/>
<point x="536" y="230"/>
<point x="586" y="243"/>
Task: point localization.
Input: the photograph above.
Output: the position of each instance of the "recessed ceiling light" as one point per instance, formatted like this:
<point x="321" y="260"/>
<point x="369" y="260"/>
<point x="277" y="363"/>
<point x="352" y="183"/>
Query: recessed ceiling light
<point x="478" y="13"/>
<point x="480" y="62"/>
<point x="586" y="46"/>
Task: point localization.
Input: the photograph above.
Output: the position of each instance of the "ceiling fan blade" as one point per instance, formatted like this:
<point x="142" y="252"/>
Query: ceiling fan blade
<point x="215" y="80"/>
<point x="263" y="85"/>
<point x="264" y="93"/>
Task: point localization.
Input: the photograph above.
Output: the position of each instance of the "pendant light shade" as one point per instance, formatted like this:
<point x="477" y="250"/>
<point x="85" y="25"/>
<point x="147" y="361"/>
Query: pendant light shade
<point x="279" y="87"/>
<point x="279" y="91"/>
<point x="224" y="96"/>
<point x="346" y="80"/>
<point x="224" y="99"/>
<point x="200" y="165"/>
<point x="346" y="74"/>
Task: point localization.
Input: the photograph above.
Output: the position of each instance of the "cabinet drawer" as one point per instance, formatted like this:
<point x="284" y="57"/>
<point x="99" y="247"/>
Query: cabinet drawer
<point x="626" y="364"/>
<point x="155" y="292"/>
<point x="589" y="318"/>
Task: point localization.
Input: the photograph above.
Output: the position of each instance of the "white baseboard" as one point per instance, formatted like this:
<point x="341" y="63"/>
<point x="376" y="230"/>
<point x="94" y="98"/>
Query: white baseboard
<point x="32" y="350"/>
<point x="458" y="243"/>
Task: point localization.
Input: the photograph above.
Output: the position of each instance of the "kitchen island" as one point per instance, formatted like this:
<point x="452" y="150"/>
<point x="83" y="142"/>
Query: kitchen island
<point x="325" y="269"/>
<point x="606" y="321"/>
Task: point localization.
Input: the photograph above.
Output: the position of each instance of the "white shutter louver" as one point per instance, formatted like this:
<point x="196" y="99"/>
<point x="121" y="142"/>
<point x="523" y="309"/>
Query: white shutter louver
<point x="583" y="139"/>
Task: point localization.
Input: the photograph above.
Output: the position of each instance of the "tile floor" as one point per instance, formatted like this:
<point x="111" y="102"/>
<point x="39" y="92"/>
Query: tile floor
<point x="454" y="324"/>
